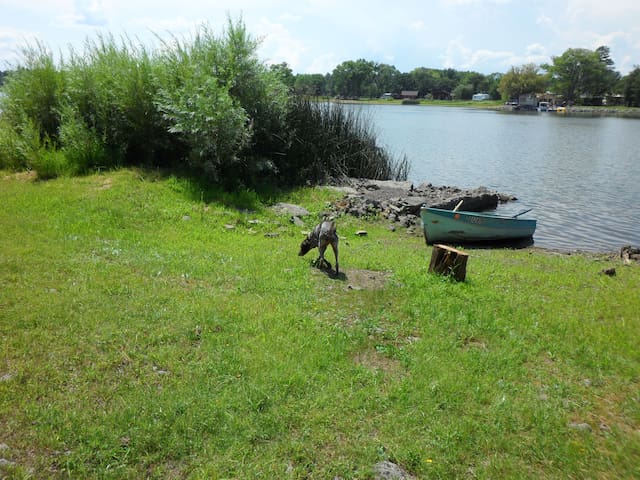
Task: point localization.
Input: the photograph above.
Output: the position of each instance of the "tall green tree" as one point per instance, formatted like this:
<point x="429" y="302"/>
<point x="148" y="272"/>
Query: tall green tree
<point x="580" y="72"/>
<point x="477" y="81"/>
<point x="310" y="84"/>
<point x="422" y="79"/>
<point x="631" y="86"/>
<point x="284" y="72"/>
<point x="353" y="78"/>
<point x="464" y="91"/>
<point x="387" y="78"/>
<point x="493" y="81"/>
<point x="519" y="80"/>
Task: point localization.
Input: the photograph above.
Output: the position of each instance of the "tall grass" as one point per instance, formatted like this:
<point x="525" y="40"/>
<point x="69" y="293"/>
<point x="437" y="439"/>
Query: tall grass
<point x="206" y="103"/>
<point x="329" y="140"/>
<point x="109" y="102"/>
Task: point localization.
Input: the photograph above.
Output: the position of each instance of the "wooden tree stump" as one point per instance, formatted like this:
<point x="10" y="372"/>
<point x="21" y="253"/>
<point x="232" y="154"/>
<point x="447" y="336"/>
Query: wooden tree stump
<point x="447" y="260"/>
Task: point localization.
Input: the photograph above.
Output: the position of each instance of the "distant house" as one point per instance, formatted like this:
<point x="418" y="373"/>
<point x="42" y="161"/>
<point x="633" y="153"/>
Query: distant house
<point x="528" y="101"/>
<point x="409" y="94"/>
<point x="479" y="97"/>
<point x="441" y="94"/>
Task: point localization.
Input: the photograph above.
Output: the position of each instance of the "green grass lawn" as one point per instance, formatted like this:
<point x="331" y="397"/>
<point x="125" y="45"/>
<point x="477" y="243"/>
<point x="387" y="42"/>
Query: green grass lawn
<point x="149" y="328"/>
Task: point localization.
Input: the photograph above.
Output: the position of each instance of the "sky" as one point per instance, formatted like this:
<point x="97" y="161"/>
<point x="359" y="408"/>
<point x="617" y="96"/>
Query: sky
<point x="314" y="36"/>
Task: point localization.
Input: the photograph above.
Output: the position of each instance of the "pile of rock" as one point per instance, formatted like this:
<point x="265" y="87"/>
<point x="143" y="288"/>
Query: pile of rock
<point x="400" y="202"/>
<point x="629" y="254"/>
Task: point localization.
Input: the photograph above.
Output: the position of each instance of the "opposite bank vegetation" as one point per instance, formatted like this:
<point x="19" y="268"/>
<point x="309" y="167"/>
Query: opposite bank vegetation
<point x="154" y="327"/>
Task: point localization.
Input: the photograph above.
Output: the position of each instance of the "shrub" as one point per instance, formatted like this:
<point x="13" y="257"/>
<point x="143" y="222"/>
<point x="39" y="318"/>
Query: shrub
<point x="82" y="146"/>
<point x="221" y="101"/>
<point x="110" y="88"/>
<point x="50" y="163"/>
<point x="33" y="92"/>
<point x="207" y="102"/>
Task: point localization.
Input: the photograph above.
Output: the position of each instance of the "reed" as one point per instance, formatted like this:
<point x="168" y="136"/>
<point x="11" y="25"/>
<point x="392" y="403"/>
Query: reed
<point x="332" y="141"/>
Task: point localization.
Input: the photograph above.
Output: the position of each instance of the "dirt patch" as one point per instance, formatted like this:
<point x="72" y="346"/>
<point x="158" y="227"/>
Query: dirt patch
<point x="610" y="413"/>
<point x="28" y="176"/>
<point x="473" y="343"/>
<point x="366" y="279"/>
<point x="107" y="183"/>
<point x="373" y="360"/>
<point x="356" y="279"/>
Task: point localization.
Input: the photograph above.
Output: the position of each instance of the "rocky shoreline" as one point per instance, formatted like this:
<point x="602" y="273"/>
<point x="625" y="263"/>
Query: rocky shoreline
<point x="400" y="202"/>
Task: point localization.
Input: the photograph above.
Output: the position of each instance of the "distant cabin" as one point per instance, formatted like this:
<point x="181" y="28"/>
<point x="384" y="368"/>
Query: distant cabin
<point x="409" y="94"/>
<point x="479" y="97"/>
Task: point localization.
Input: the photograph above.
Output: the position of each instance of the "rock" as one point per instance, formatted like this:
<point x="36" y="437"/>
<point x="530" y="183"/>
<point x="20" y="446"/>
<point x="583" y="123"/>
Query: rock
<point x="390" y="471"/>
<point x="611" y="272"/>
<point x="629" y="253"/>
<point x="397" y="200"/>
<point x="296" y="221"/>
<point x="583" y="427"/>
<point x="291" y="209"/>
<point x="361" y="233"/>
<point x="604" y="427"/>
<point x="6" y="463"/>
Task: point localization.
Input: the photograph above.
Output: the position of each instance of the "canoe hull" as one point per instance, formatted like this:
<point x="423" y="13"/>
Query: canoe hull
<point x="449" y="226"/>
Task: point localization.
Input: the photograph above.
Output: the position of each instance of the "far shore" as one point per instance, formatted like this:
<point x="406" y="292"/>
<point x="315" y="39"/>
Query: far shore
<point x="604" y="111"/>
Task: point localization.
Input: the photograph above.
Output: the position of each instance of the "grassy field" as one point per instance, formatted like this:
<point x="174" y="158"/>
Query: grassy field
<point x="153" y="328"/>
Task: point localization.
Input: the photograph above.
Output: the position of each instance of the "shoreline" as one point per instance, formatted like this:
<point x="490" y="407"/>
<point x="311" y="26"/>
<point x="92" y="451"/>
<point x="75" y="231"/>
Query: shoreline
<point x="587" y="111"/>
<point x="399" y="202"/>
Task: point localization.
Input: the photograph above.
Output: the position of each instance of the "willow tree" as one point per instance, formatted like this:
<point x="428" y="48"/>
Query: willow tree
<point x="520" y="80"/>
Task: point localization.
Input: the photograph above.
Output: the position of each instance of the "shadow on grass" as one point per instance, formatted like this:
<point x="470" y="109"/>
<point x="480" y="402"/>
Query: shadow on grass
<point x="327" y="269"/>
<point x="198" y="188"/>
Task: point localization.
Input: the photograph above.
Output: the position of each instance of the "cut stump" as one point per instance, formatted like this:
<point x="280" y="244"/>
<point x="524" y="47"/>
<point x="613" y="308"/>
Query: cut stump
<point x="447" y="260"/>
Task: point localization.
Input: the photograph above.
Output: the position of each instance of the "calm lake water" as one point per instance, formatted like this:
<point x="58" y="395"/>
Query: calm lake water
<point x="581" y="175"/>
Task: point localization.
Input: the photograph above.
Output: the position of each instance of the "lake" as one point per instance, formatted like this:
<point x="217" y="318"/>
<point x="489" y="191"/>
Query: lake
<point x="580" y="175"/>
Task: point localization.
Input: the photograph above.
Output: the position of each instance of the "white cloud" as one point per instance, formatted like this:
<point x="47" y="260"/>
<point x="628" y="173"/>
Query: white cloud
<point x="418" y="25"/>
<point x="598" y="10"/>
<point x="460" y="57"/>
<point x="175" y="25"/>
<point x="289" y="17"/>
<point x="279" y="45"/>
<point x="545" y="21"/>
<point x="324" y="63"/>
<point x="460" y="3"/>
<point x="84" y="13"/>
<point x="11" y="41"/>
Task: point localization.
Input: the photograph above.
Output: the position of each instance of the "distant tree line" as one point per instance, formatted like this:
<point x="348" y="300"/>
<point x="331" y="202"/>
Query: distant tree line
<point x="363" y="78"/>
<point x="579" y="76"/>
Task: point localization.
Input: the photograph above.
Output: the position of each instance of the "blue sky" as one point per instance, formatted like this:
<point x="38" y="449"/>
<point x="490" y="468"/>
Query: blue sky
<point x="313" y="36"/>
